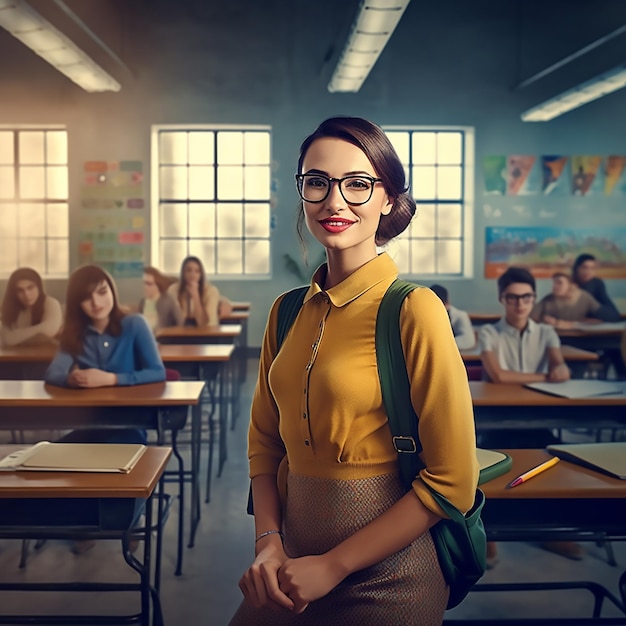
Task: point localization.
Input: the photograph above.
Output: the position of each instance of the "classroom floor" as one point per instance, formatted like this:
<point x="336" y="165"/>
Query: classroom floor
<point x="206" y="594"/>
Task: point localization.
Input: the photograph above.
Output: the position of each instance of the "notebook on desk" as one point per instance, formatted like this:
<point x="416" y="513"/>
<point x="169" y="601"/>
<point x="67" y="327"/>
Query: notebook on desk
<point x="579" y="388"/>
<point x="608" y="458"/>
<point x="492" y="463"/>
<point x="45" y="456"/>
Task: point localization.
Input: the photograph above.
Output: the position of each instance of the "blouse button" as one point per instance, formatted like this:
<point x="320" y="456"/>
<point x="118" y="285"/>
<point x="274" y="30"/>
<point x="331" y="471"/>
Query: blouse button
<point x="304" y="415"/>
<point x="307" y="442"/>
<point x="106" y="344"/>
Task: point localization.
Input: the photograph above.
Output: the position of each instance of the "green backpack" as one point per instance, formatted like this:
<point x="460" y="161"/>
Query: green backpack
<point x="460" y="541"/>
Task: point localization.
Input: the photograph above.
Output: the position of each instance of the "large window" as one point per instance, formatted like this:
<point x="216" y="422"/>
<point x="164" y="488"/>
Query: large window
<point x="34" y="229"/>
<point x="211" y="188"/>
<point x="438" y="164"/>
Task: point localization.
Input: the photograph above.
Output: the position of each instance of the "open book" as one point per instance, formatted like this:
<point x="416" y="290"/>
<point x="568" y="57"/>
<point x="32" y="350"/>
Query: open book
<point x="44" y="456"/>
<point x="579" y="388"/>
<point x="608" y="458"/>
<point x="492" y="463"/>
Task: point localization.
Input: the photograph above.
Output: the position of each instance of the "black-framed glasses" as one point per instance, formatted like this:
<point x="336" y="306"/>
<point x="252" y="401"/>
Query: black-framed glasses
<point x="513" y="298"/>
<point x="355" y="190"/>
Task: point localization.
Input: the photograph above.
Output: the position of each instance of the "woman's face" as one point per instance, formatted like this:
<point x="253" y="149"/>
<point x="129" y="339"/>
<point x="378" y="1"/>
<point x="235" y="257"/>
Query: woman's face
<point x="99" y="304"/>
<point x="27" y="293"/>
<point x="336" y="224"/>
<point x="192" y="273"/>
<point x="150" y="289"/>
<point x="586" y="271"/>
<point x="560" y="286"/>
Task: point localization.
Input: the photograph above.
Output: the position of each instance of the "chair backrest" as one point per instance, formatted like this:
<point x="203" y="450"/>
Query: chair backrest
<point x="474" y="372"/>
<point x="171" y="374"/>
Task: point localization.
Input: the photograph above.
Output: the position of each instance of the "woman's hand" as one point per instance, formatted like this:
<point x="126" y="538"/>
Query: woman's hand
<point x="308" y="578"/>
<point x="259" y="584"/>
<point x="193" y="289"/>
<point x="91" y="378"/>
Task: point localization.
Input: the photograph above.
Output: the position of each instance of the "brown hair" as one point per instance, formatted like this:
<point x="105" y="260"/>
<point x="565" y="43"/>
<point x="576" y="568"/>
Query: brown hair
<point x="161" y="280"/>
<point x="11" y="306"/>
<point x="375" y="144"/>
<point x="80" y="286"/>
<point x="562" y="275"/>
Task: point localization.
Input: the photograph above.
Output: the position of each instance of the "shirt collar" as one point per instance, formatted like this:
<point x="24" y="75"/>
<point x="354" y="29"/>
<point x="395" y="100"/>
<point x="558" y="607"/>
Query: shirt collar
<point x="531" y="326"/>
<point x="367" y="276"/>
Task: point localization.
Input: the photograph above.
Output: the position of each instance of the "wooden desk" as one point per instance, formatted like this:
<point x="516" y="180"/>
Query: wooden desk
<point x="20" y="492"/>
<point x="514" y="406"/>
<point x="240" y="306"/>
<point x="605" y="336"/>
<point x="224" y="333"/>
<point x="570" y="355"/>
<point x="478" y="319"/>
<point x="31" y="405"/>
<point x="567" y="502"/>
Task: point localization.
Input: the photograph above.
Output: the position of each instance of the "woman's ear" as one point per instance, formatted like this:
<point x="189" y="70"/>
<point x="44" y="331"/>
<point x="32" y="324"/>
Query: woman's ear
<point x="387" y="206"/>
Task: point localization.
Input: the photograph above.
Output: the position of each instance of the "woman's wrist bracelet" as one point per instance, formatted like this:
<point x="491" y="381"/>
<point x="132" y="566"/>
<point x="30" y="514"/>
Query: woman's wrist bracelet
<point x="270" y="532"/>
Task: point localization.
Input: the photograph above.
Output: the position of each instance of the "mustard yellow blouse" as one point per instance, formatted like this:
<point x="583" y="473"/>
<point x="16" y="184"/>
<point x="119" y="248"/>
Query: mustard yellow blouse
<point x="318" y="403"/>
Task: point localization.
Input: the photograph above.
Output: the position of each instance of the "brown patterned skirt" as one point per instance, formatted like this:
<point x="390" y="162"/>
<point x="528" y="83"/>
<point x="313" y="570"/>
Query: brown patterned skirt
<point x="405" y="588"/>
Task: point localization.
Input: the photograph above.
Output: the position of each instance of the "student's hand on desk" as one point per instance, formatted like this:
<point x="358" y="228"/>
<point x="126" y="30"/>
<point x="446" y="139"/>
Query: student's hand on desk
<point x="193" y="290"/>
<point x="91" y="378"/>
<point x="559" y="374"/>
<point x="259" y="584"/>
<point x="308" y="578"/>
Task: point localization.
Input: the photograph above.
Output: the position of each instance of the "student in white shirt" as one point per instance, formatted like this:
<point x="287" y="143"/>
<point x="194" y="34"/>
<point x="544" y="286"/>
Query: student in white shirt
<point x="460" y="320"/>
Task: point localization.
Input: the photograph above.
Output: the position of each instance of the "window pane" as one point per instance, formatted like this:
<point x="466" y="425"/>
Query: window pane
<point x="173" y="182"/>
<point x="8" y="255"/>
<point x="8" y="222"/>
<point x="424" y="224"/>
<point x="257" y="148"/>
<point x="257" y="183"/>
<point x="32" y="220"/>
<point x="449" y="182"/>
<point x="57" y="182"/>
<point x="173" y="251"/>
<point x="399" y="251"/>
<point x="400" y="142"/>
<point x="201" y="148"/>
<point x="229" y="257"/>
<point x="31" y="146"/>
<point x="230" y="148"/>
<point x="57" y="218"/>
<point x="424" y="183"/>
<point x="32" y="182"/>
<point x="230" y="220"/>
<point x="32" y="253"/>
<point x="56" y="147"/>
<point x="257" y="257"/>
<point x="258" y="221"/>
<point x="173" y="147"/>
<point x="449" y="148"/>
<point x="424" y="148"/>
<point x="230" y="182"/>
<point x="58" y="257"/>
<point x="201" y="183"/>
<point x="6" y="147"/>
<point x="204" y="249"/>
<point x="202" y="220"/>
<point x="173" y="220"/>
<point x="449" y="223"/>
<point x="7" y="182"/>
<point x="449" y="257"/>
<point x="423" y="256"/>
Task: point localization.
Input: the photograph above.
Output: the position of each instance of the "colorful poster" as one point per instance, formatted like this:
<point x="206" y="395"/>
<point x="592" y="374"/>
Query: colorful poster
<point x="495" y="175"/>
<point x="522" y="176"/>
<point x="615" y="176"/>
<point x="586" y="178"/>
<point x="553" y="170"/>
<point x="546" y="250"/>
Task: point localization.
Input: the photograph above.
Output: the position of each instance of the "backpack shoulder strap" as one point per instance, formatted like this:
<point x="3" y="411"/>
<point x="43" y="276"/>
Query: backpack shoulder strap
<point x="288" y="310"/>
<point x="394" y="380"/>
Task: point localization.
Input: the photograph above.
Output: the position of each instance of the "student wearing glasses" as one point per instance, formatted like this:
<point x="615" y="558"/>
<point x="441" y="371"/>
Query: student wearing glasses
<point x="158" y="306"/>
<point x="338" y="538"/>
<point x="516" y="349"/>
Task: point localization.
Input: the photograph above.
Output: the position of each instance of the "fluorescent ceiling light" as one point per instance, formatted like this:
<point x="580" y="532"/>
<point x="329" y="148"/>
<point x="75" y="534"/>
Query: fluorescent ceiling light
<point x="374" y="24"/>
<point x="586" y="92"/>
<point x="33" y="30"/>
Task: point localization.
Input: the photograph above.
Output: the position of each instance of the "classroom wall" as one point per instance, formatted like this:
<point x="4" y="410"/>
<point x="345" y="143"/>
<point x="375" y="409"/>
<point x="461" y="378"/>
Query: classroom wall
<point x="449" y="63"/>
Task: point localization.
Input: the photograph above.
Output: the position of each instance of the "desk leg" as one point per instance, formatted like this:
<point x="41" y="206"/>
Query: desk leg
<point x="226" y="391"/>
<point x="196" y="434"/>
<point x="219" y="381"/>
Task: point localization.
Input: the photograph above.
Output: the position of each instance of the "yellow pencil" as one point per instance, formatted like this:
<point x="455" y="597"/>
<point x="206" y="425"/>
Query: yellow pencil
<point x="533" y="472"/>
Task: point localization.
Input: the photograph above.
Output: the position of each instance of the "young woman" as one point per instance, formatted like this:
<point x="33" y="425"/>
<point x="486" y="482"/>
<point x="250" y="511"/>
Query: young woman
<point x="158" y="306"/>
<point x="197" y="298"/>
<point x="100" y="345"/>
<point x="338" y="539"/>
<point x="29" y="316"/>
<point x="584" y="275"/>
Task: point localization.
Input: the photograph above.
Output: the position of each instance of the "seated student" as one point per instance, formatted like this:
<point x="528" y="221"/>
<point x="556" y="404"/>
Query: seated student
<point x="29" y="316"/>
<point x="460" y="320"/>
<point x="567" y="305"/>
<point x="517" y="350"/>
<point x="197" y="298"/>
<point x="158" y="307"/>
<point x="584" y="275"/>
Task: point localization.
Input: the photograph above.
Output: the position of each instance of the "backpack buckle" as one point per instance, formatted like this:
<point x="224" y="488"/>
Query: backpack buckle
<point x="404" y="445"/>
